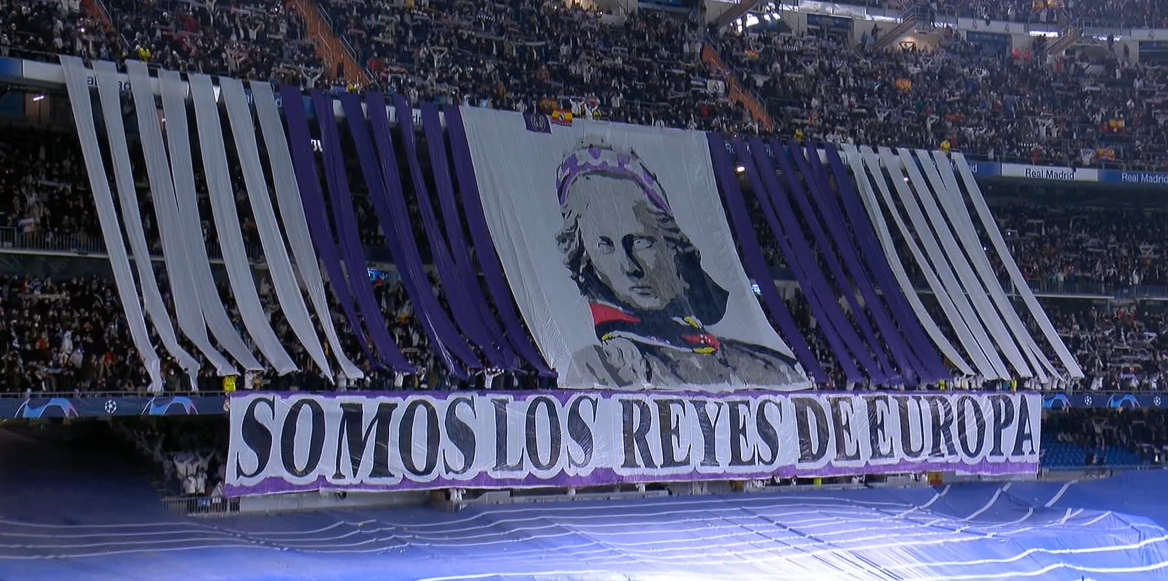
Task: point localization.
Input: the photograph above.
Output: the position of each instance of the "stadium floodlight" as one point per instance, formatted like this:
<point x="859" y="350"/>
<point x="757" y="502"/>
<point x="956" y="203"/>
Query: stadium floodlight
<point x="38" y="98"/>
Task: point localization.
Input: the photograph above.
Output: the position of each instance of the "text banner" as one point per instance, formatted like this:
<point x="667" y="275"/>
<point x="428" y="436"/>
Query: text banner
<point x="293" y="443"/>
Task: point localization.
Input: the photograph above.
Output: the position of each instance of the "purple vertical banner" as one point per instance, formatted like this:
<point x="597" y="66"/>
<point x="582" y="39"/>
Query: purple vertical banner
<point x="827" y="298"/>
<point x="782" y="223"/>
<point x="372" y="172"/>
<point x="918" y="339"/>
<point x="315" y="211"/>
<point x="460" y="250"/>
<point x="484" y="245"/>
<point x="392" y="210"/>
<point x="831" y="256"/>
<point x="755" y="263"/>
<point x="346" y="219"/>
<point x="468" y="315"/>
<point x="825" y="200"/>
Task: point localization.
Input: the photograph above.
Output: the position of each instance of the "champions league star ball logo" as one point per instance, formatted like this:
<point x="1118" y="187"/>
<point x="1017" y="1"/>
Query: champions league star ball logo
<point x="111" y="406"/>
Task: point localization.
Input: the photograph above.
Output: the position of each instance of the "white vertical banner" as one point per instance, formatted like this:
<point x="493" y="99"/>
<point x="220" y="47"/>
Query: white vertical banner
<point x="295" y="223"/>
<point x="924" y="187"/>
<point x="966" y="316"/>
<point x="174" y="93"/>
<point x="111" y="106"/>
<point x="872" y="207"/>
<point x="271" y="238"/>
<point x="1016" y="278"/>
<point x="223" y="208"/>
<point x="964" y="336"/>
<point x="82" y="107"/>
<point x="954" y="206"/>
<point x="617" y="250"/>
<point x="175" y="251"/>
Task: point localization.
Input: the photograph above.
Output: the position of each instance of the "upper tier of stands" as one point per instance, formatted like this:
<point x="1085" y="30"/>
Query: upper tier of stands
<point x="999" y="107"/>
<point x="1115" y="13"/>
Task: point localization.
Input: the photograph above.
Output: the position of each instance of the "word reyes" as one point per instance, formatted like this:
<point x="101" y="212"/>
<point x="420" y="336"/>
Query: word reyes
<point x="292" y="442"/>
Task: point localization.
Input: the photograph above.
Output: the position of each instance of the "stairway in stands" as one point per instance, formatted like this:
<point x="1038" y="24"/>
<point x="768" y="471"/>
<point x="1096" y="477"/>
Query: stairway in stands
<point x="1067" y="38"/>
<point x="737" y="11"/>
<point x="735" y="90"/>
<point x="907" y="24"/>
<point x="329" y="47"/>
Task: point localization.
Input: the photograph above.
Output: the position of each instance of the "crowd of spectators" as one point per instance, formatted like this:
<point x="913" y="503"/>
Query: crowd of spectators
<point x="189" y="454"/>
<point x="44" y="193"/>
<point x="1002" y="107"/>
<point x="64" y="336"/>
<point x="1104" y="438"/>
<point x="1110" y="13"/>
<point x="249" y="39"/>
<point x="42" y="29"/>
<point x="537" y="55"/>
<point x="1119" y="346"/>
<point x="1062" y="248"/>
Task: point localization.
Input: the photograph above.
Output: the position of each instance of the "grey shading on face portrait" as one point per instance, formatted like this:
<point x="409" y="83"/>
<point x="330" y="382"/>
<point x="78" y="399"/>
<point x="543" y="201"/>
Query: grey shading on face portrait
<point x="650" y="299"/>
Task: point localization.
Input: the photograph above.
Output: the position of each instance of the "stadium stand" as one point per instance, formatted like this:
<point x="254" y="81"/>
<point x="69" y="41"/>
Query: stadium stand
<point x="1105" y="438"/>
<point x="535" y="56"/>
<point x="249" y="39"/>
<point x="1000" y="107"/>
<point x="1125" y="13"/>
<point x="43" y="30"/>
<point x="530" y="55"/>
<point x="1113" y="247"/>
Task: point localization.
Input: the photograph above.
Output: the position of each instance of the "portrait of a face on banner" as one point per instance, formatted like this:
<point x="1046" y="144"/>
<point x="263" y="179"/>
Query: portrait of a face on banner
<point x="616" y="247"/>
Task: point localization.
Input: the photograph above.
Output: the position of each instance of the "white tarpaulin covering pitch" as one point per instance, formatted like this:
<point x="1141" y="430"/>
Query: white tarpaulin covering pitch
<point x="617" y="250"/>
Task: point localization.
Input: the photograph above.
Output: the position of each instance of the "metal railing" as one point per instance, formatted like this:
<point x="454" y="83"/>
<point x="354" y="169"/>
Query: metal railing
<point x="201" y="505"/>
<point x="14" y="239"/>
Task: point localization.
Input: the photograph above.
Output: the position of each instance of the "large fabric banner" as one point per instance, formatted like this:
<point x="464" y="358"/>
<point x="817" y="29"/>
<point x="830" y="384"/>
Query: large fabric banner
<point x="287" y="442"/>
<point x="619" y="255"/>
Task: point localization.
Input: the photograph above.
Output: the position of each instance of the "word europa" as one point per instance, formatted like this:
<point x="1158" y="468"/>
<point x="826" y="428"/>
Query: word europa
<point x="285" y="442"/>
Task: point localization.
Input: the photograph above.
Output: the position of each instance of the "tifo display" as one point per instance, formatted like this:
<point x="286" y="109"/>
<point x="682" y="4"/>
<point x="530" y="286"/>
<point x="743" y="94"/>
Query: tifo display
<point x="610" y="239"/>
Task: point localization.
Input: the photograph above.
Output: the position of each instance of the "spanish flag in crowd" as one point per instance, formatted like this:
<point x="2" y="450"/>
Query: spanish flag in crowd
<point x="561" y="117"/>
